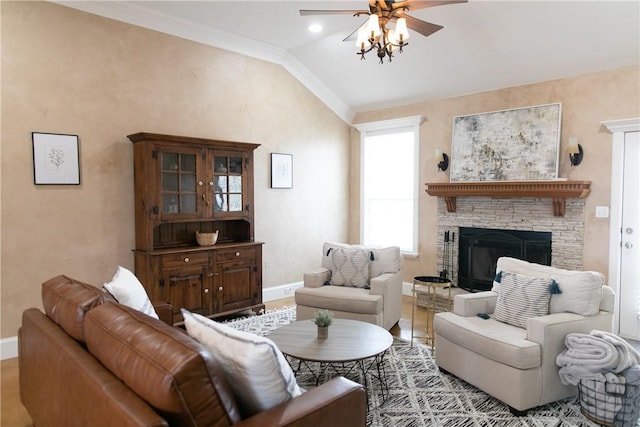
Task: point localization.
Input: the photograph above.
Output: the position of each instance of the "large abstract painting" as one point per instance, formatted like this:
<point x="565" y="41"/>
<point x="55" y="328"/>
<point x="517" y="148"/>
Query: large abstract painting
<point x="509" y="145"/>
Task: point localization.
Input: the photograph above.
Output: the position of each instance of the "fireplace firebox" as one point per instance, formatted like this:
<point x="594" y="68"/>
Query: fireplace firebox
<point x="480" y="248"/>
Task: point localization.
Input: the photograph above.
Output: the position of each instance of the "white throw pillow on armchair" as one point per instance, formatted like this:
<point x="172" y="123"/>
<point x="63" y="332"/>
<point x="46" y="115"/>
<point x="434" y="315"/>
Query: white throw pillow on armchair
<point x="385" y="260"/>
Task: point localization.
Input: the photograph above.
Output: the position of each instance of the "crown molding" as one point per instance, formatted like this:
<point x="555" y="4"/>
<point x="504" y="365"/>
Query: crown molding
<point x="135" y="14"/>
<point x="319" y="89"/>
<point x="389" y="124"/>
<point x="625" y="125"/>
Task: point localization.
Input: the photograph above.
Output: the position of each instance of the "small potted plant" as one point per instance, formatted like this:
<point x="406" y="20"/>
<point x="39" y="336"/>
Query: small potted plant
<point x="323" y="319"/>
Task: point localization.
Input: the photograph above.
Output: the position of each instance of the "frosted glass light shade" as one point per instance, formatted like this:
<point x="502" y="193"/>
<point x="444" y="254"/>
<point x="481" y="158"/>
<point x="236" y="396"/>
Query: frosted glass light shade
<point x="391" y="37"/>
<point x="572" y="148"/>
<point x="402" y="34"/>
<point x="363" y="38"/>
<point x="373" y="27"/>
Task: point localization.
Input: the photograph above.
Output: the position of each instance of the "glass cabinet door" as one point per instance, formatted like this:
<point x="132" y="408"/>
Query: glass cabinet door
<point x="179" y="183"/>
<point x="228" y="183"/>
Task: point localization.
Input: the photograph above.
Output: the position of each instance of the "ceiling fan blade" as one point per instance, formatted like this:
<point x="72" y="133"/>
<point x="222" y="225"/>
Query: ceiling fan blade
<point x="422" y="4"/>
<point x="333" y="12"/>
<point x="354" y="33"/>
<point x="422" y="27"/>
<point x="352" y="36"/>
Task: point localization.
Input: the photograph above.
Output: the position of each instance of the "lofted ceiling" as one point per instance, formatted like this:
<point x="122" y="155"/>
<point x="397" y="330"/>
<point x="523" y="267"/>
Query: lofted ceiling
<point x="485" y="44"/>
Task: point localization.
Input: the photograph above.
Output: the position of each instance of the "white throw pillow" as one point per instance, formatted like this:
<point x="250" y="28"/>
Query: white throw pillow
<point x="522" y="297"/>
<point x="255" y="368"/>
<point x="581" y="291"/>
<point x="385" y="260"/>
<point x="127" y="290"/>
<point x="349" y="267"/>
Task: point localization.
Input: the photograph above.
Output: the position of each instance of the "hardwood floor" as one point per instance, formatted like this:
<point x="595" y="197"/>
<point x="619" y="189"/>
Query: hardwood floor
<point x="13" y="414"/>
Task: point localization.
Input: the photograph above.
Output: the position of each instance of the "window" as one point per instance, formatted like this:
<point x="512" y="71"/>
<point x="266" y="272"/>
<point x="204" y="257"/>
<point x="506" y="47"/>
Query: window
<point x="389" y="183"/>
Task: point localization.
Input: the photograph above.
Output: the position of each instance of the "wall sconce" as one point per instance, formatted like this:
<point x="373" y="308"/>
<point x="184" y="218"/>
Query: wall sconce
<point x="575" y="151"/>
<point x="442" y="159"/>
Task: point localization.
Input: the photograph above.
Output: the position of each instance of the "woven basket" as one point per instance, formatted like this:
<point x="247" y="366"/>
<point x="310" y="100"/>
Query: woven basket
<point x="206" y="239"/>
<point x="599" y="399"/>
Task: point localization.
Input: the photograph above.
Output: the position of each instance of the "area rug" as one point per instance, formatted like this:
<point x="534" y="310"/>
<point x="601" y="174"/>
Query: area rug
<point x="420" y="395"/>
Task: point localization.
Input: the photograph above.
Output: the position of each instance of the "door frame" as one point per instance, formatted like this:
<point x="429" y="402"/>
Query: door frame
<point x="618" y="128"/>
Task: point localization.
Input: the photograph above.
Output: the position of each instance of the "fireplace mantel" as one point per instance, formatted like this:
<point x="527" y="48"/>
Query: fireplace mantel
<point x="557" y="191"/>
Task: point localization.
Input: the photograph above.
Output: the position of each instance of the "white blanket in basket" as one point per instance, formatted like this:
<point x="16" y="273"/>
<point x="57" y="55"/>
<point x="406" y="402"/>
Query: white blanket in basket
<point x="591" y="356"/>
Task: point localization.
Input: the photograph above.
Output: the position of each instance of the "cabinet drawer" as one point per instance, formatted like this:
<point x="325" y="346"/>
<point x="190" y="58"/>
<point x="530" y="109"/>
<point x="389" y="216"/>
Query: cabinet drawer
<point x="237" y="253"/>
<point x="181" y="260"/>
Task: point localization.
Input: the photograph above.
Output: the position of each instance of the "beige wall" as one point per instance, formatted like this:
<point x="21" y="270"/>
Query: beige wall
<point x="65" y="71"/>
<point x="586" y="101"/>
<point x="70" y="72"/>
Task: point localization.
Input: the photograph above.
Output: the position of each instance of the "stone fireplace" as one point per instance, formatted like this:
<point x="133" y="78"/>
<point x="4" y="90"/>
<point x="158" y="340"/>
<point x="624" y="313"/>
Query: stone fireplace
<point x="513" y="213"/>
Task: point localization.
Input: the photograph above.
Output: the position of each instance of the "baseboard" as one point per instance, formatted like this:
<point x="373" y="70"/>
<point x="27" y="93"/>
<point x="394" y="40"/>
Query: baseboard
<point x="281" y="291"/>
<point x="407" y="288"/>
<point x="8" y="348"/>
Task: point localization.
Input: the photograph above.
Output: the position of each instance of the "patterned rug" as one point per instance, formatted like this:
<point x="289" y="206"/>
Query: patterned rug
<point x="420" y="395"/>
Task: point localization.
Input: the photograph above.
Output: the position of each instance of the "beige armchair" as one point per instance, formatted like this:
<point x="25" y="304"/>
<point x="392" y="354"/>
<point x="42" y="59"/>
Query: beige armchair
<point x="517" y="364"/>
<point x="354" y="282"/>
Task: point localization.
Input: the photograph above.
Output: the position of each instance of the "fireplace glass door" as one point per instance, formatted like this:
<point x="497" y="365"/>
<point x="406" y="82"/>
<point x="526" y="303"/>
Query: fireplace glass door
<point x="480" y="248"/>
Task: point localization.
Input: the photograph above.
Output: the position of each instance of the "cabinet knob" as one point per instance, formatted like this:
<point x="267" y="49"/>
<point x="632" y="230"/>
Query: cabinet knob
<point x="210" y="183"/>
<point x="237" y="253"/>
<point x="220" y="289"/>
<point x="186" y="259"/>
<point x="206" y="291"/>
<point x="200" y="183"/>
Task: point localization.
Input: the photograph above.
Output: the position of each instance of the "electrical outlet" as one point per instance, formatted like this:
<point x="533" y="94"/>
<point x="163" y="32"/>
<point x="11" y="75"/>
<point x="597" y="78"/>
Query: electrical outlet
<point x="288" y="291"/>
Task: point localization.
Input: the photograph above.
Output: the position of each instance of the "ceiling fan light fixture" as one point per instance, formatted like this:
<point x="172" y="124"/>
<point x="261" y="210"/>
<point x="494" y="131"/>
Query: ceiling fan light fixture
<point x="373" y="35"/>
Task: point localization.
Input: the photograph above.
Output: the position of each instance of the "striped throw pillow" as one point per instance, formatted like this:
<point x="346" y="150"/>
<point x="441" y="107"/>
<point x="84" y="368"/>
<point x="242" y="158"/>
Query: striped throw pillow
<point x="522" y="297"/>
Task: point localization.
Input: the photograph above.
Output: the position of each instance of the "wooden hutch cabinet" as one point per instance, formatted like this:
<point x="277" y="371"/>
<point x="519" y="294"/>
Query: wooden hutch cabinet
<point x="184" y="185"/>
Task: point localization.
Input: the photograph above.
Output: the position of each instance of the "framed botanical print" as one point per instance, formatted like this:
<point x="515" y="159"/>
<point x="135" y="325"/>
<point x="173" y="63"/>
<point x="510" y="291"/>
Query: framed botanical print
<point x="281" y="170"/>
<point x="56" y="159"/>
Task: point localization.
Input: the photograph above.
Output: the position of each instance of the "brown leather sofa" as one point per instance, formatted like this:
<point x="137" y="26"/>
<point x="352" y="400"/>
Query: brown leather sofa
<point x="91" y="361"/>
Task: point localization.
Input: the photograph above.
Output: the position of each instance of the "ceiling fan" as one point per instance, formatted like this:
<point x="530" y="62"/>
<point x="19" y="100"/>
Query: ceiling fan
<point x="374" y="33"/>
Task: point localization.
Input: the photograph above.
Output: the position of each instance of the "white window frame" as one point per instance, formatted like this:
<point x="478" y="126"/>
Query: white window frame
<point x="388" y="127"/>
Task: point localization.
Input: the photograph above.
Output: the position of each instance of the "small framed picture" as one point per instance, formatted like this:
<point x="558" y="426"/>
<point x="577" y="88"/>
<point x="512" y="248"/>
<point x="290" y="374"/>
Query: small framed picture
<point x="56" y="159"/>
<point x="281" y="170"/>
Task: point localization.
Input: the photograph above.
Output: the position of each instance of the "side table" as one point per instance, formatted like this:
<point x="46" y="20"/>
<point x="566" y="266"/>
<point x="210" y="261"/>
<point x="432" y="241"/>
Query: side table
<point x="428" y="285"/>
